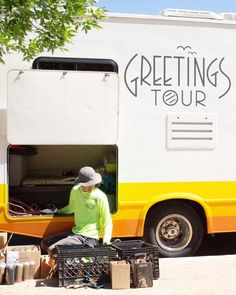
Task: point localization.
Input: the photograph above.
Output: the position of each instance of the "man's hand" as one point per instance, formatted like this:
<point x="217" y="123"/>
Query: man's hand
<point x="106" y="243"/>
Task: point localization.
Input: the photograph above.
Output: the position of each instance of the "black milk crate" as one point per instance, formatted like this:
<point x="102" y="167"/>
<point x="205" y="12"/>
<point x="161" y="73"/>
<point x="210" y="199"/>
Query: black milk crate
<point x="77" y="261"/>
<point x="128" y="250"/>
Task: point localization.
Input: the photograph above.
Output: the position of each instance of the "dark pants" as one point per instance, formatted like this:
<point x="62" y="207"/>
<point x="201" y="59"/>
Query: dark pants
<point x="66" y="238"/>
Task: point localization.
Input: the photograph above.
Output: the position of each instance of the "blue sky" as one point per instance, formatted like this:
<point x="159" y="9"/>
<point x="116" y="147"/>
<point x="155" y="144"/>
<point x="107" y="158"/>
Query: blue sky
<point x="155" y="6"/>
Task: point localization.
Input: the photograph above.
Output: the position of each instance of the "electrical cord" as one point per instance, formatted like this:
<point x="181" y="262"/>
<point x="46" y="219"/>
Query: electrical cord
<point x="19" y="208"/>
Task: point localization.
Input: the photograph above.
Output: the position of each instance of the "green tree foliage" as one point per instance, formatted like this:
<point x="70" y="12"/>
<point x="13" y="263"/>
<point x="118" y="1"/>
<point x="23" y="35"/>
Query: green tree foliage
<point x="32" y="26"/>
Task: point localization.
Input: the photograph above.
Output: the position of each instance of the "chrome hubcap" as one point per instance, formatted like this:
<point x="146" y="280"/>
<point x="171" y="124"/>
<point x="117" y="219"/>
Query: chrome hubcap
<point x="174" y="232"/>
<point x="170" y="229"/>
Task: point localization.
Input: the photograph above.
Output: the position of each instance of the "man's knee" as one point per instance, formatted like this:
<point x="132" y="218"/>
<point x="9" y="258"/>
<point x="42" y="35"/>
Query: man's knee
<point x="44" y="245"/>
<point x="46" y="248"/>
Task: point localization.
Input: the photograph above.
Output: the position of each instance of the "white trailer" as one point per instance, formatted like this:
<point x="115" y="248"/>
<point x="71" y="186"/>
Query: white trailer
<point x="147" y="100"/>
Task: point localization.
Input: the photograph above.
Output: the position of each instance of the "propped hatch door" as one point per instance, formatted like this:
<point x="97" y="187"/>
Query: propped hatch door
<point x="48" y="107"/>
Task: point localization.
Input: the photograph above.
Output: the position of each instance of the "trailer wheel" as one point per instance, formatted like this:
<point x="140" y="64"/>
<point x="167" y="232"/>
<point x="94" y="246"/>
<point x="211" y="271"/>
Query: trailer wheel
<point x="175" y="228"/>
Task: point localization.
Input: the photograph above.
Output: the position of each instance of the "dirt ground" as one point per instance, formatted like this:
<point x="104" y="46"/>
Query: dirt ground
<point x="178" y="276"/>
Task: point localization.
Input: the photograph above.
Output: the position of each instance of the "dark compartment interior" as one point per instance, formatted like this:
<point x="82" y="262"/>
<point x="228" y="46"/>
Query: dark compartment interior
<point x="42" y="176"/>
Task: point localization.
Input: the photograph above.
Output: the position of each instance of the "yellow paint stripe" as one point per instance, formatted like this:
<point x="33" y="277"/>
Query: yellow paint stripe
<point x="218" y="200"/>
<point x="218" y="197"/>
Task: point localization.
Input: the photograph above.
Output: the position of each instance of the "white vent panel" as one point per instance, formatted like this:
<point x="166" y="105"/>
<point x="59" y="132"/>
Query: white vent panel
<point x="229" y="16"/>
<point x="191" y="14"/>
<point x="191" y="131"/>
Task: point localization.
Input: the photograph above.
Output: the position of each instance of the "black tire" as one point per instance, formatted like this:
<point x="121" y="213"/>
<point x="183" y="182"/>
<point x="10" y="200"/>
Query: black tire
<point x="175" y="228"/>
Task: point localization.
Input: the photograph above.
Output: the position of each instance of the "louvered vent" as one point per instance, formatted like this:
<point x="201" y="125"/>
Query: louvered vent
<point x="229" y="16"/>
<point x="191" y="131"/>
<point x="191" y="13"/>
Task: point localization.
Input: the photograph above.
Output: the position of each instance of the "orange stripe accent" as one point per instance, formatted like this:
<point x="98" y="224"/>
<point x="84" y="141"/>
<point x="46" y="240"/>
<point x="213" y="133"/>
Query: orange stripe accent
<point x="121" y="228"/>
<point x="126" y="228"/>
<point x="223" y="224"/>
<point x="36" y="229"/>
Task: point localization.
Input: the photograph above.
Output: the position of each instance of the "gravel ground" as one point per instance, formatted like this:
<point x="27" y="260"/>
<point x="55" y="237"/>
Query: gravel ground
<point x="178" y="276"/>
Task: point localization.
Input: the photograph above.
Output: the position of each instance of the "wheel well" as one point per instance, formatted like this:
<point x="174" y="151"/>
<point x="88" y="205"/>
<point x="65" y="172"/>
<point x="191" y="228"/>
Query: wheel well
<point x="196" y="206"/>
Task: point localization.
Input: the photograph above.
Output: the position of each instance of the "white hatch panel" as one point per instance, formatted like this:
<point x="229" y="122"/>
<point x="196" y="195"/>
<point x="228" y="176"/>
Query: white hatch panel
<point x="62" y="107"/>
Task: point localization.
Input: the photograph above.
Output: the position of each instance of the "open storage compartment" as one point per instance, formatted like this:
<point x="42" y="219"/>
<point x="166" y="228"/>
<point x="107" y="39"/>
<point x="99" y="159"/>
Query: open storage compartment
<point x="41" y="176"/>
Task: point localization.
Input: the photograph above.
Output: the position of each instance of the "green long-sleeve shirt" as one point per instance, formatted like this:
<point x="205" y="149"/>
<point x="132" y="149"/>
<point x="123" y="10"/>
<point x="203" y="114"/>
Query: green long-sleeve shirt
<point x="91" y="210"/>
